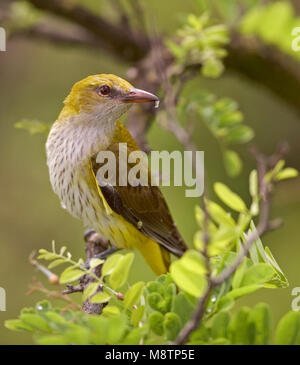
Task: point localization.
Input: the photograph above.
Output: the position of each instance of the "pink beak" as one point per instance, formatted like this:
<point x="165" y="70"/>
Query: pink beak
<point x="138" y="96"/>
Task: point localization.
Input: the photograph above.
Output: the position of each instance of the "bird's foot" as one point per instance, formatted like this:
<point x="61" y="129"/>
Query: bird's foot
<point x="102" y="256"/>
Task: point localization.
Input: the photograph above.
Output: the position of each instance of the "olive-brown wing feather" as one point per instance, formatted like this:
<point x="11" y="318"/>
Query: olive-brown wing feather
<point x="145" y="208"/>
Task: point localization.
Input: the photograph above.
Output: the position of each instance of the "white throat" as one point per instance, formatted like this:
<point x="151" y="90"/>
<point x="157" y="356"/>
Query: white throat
<point x="74" y="141"/>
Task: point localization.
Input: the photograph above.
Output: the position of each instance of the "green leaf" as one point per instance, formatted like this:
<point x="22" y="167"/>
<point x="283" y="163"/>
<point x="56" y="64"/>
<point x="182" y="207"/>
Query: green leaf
<point x="23" y="15"/>
<point x="47" y="256"/>
<point x="35" y="321"/>
<point x="62" y="250"/>
<point x="257" y="252"/>
<point x="56" y="263"/>
<point x="56" y="318"/>
<point x="182" y="306"/>
<point x="221" y="239"/>
<point x="155" y="321"/>
<point x="218" y="214"/>
<point x="155" y="301"/>
<point x="239" y="134"/>
<point x="17" y="325"/>
<point x="155" y="287"/>
<point x="239" y="274"/>
<point x="212" y="68"/>
<point x="279" y="13"/>
<point x="100" y="298"/>
<point x="287" y="173"/>
<point x="279" y="280"/>
<point x="252" y="20"/>
<point x="53" y="340"/>
<point x="135" y="336"/>
<point x="260" y="317"/>
<point x="172" y="325"/>
<point x="225" y="303"/>
<point x="110" y="264"/>
<point x="69" y="276"/>
<point x="178" y="51"/>
<point x="253" y="189"/>
<point x="99" y="326"/>
<point x="33" y="126"/>
<point x="78" y="335"/>
<point x="111" y="310"/>
<point x="257" y="274"/>
<point x="95" y="262"/>
<point x="260" y="254"/>
<point x="275" y="171"/>
<point x="200" y="220"/>
<point x="239" y="327"/>
<point x="137" y="315"/>
<point x="202" y="333"/>
<point x="239" y="292"/>
<point x="133" y="294"/>
<point x="253" y="183"/>
<point x="233" y="163"/>
<point x="120" y="273"/>
<point x="43" y="306"/>
<point x="89" y="291"/>
<point x="288" y="330"/>
<point x="189" y="273"/>
<point x="229" y="198"/>
<point x="220" y="325"/>
<point x="231" y="118"/>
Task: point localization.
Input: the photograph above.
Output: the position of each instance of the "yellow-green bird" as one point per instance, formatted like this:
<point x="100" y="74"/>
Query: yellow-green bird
<point x="132" y="217"/>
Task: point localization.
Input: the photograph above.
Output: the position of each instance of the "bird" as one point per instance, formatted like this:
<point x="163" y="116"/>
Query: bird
<point x="129" y="217"/>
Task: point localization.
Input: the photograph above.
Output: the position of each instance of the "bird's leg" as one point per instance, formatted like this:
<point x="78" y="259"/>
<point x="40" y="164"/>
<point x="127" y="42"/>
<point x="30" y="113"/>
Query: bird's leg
<point x="102" y="256"/>
<point x="91" y="236"/>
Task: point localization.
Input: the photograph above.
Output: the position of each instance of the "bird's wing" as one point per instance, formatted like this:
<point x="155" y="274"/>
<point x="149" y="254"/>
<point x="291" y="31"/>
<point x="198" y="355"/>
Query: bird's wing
<point x="142" y="206"/>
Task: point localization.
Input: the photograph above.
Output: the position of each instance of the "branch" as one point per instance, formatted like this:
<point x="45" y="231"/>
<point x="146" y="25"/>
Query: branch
<point x="73" y="289"/>
<point x="122" y="41"/>
<point x="95" y="244"/>
<point x="78" y="37"/>
<point x="264" y="226"/>
<point x="266" y="66"/>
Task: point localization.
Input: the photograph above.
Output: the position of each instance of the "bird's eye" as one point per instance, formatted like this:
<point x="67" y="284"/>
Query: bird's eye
<point x="104" y="90"/>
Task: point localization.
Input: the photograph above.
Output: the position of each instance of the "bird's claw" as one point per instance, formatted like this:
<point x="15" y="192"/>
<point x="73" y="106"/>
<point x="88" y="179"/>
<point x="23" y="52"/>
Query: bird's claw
<point x="102" y="256"/>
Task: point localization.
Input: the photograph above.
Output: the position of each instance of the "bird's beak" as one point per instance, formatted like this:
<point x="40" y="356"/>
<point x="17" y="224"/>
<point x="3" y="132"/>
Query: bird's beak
<point x="138" y="96"/>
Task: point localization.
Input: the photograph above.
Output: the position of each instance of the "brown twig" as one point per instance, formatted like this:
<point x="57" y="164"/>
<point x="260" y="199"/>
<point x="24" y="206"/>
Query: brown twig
<point x="73" y="289"/>
<point x="95" y="244"/>
<point x="37" y="286"/>
<point x="53" y="278"/>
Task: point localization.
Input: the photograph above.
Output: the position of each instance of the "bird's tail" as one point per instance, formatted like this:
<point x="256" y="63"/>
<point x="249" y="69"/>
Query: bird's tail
<point x="156" y="256"/>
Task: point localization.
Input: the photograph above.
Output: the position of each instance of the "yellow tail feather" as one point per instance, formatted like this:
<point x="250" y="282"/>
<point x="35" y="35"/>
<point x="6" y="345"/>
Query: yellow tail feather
<point x="156" y="256"/>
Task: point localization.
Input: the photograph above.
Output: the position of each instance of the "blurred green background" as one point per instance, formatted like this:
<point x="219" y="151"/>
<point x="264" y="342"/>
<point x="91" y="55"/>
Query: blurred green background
<point x="35" y="78"/>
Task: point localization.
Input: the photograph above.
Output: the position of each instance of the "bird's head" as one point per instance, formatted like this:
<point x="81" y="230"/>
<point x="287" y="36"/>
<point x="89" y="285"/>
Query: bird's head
<point x="103" y="96"/>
